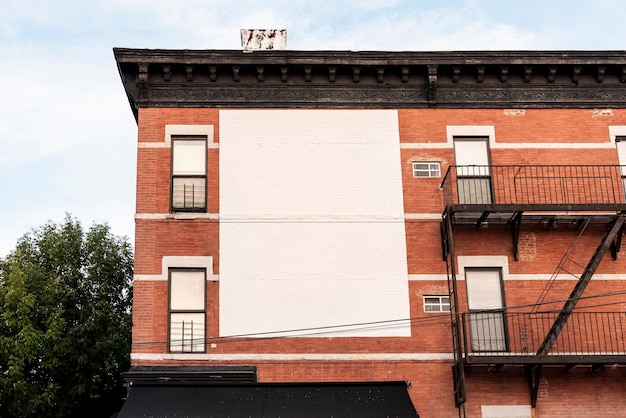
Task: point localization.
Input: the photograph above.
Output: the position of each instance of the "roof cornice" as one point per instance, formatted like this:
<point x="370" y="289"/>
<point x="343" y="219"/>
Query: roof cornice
<point x="371" y="79"/>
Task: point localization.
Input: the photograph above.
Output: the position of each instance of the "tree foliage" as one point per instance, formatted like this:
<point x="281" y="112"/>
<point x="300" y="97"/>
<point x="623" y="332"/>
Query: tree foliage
<point x="65" y="324"/>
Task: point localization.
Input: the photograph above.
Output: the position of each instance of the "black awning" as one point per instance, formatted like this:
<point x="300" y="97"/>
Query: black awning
<point x="310" y="400"/>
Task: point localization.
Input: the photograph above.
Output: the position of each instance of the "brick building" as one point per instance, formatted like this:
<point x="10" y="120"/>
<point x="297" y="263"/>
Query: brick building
<point x="378" y="232"/>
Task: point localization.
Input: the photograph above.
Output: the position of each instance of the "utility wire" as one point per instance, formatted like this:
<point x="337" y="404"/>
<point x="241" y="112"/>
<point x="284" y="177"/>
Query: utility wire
<point x="362" y="326"/>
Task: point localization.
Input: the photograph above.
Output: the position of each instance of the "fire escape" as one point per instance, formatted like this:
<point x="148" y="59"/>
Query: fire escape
<point x="516" y="196"/>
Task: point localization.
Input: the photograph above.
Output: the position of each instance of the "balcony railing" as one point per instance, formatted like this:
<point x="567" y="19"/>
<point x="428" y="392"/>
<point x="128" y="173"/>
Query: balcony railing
<point x="536" y="185"/>
<point x="505" y="337"/>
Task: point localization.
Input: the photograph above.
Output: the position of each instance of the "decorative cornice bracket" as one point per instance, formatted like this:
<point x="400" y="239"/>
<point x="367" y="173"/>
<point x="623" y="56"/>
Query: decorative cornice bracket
<point x="504" y="73"/>
<point x="167" y="72"/>
<point x="380" y="74"/>
<point x="456" y="73"/>
<point x="142" y="82"/>
<point x="283" y="73"/>
<point x="235" y="69"/>
<point x="405" y="74"/>
<point x="432" y="85"/>
<point x="601" y="72"/>
<point x="189" y="72"/>
<point x="551" y="74"/>
<point x="528" y="74"/>
<point x="356" y="74"/>
<point x="576" y="74"/>
<point x="480" y="73"/>
<point x="260" y="72"/>
<point x="332" y="74"/>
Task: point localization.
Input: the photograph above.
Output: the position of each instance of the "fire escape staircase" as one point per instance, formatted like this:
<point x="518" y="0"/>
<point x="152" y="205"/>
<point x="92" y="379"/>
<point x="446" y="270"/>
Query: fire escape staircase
<point x="611" y="241"/>
<point x="507" y="207"/>
<point x="458" y="368"/>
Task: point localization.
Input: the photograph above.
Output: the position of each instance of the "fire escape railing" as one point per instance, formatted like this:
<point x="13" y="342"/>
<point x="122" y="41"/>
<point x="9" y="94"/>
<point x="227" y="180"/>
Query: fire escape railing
<point x="533" y="339"/>
<point x="587" y="337"/>
<point x="534" y="185"/>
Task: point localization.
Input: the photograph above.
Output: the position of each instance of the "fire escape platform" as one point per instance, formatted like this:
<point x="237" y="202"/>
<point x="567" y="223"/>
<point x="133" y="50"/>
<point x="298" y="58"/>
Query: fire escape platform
<point x="478" y="214"/>
<point x="558" y="209"/>
<point x="500" y="192"/>
<point x="519" y="338"/>
<point x="551" y="359"/>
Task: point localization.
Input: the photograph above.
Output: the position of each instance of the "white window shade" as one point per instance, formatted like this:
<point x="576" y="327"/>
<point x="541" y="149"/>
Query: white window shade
<point x="189" y="157"/>
<point x="469" y="152"/>
<point x="621" y="154"/>
<point x="484" y="290"/>
<point x="187" y="290"/>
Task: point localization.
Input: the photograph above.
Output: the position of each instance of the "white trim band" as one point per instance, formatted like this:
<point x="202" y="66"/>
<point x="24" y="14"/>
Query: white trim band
<point x="178" y="216"/>
<point x="174" y="261"/>
<point x="297" y="357"/>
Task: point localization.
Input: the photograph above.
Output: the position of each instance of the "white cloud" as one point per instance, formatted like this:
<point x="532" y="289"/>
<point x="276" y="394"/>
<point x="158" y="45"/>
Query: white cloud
<point x="413" y="30"/>
<point x="15" y="224"/>
<point x="68" y="134"/>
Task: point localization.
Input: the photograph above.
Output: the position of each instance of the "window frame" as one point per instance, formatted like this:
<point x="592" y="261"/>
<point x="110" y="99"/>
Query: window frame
<point x="431" y="172"/>
<point x="474" y="181"/>
<point x="440" y="304"/>
<point x="617" y="134"/>
<point x="202" y="177"/>
<point x="481" y="340"/>
<point x="191" y="311"/>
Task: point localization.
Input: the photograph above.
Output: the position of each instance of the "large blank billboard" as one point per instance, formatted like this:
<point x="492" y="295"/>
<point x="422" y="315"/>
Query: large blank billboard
<point x="312" y="234"/>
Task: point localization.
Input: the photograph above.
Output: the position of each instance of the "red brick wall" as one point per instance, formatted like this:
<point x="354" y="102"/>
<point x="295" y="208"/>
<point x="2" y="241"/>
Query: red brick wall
<point x="562" y="395"/>
<point x="536" y="125"/>
<point x="152" y="121"/>
<point x="150" y="315"/>
<point x="157" y="238"/>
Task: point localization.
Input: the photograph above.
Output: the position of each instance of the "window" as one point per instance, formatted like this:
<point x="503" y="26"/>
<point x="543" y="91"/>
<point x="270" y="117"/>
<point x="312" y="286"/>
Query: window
<point x="436" y="303"/>
<point x="473" y="170"/>
<point x="620" y="142"/>
<point x="485" y="302"/>
<point x="426" y="169"/>
<point x="189" y="161"/>
<point x="187" y="310"/>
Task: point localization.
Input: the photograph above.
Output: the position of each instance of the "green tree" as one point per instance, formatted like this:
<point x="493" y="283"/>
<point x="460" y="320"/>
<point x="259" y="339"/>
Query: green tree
<point x="65" y="321"/>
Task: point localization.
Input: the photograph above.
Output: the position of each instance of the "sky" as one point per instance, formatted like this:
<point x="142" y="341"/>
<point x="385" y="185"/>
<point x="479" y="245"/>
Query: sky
<point x="67" y="133"/>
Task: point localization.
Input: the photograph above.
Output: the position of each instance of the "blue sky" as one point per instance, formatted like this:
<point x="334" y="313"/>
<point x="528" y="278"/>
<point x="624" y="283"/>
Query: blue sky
<point x="68" y="137"/>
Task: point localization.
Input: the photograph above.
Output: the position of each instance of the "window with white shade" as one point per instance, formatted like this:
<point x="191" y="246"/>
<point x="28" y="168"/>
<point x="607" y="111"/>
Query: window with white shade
<point x="187" y="310"/>
<point x="485" y="301"/>
<point x="620" y="142"/>
<point x="473" y="171"/>
<point x="189" y="179"/>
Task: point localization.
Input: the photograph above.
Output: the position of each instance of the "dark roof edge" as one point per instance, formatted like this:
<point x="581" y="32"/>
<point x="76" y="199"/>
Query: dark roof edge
<point x="160" y="78"/>
<point x="389" y="57"/>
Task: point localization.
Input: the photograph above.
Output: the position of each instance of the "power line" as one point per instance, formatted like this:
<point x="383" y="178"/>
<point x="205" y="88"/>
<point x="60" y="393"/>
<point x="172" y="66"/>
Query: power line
<point x="365" y="326"/>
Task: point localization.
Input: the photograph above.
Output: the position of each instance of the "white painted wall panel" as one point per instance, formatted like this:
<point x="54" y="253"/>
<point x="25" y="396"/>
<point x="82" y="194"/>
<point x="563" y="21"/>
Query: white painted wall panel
<point x="312" y="221"/>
